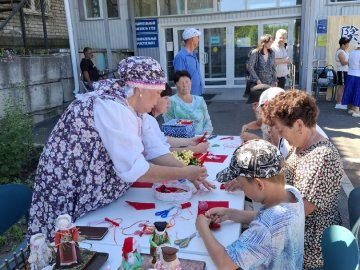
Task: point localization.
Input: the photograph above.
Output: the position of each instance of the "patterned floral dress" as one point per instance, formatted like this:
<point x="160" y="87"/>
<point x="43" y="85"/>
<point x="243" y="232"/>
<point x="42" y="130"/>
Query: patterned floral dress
<point x="75" y="173"/>
<point x="316" y="172"/>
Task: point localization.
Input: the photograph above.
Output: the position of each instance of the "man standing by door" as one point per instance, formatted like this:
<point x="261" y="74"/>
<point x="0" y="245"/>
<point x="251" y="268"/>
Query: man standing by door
<point x="186" y="60"/>
<point x="89" y="71"/>
<point x="281" y="57"/>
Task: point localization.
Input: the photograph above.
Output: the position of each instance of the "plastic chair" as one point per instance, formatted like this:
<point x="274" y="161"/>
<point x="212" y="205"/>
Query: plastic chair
<point x="354" y="211"/>
<point x="15" y="203"/>
<point x="340" y="249"/>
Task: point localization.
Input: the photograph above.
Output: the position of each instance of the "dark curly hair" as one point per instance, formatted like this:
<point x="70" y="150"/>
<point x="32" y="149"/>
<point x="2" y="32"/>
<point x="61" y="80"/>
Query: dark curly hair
<point x="290" y="106"/>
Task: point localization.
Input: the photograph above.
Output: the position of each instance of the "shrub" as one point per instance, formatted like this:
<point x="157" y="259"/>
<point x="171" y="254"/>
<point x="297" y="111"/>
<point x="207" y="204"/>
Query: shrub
<point x="15" y="139"/>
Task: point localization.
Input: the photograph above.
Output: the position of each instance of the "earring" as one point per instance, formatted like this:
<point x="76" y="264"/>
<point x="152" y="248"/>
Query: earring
<point x="140" y="95"/>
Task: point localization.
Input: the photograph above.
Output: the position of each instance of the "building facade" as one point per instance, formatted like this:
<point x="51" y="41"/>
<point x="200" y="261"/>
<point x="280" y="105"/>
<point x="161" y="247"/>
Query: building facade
<point x="230" y="29"/>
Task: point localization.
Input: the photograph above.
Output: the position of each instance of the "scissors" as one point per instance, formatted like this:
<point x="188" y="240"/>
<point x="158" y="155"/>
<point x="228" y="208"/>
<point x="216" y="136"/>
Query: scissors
<point x="183" y="243"/>
<point x="164" y="213"/>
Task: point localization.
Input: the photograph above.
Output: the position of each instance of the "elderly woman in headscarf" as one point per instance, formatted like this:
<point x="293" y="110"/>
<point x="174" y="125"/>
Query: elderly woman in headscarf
<point x="100" y="146"/>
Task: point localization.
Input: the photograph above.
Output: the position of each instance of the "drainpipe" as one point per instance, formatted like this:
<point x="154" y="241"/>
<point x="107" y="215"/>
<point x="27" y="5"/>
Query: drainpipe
<point x="72" y="46"/>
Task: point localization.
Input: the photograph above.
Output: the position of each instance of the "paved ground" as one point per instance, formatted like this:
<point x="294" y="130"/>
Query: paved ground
<point x="229" y="112"/>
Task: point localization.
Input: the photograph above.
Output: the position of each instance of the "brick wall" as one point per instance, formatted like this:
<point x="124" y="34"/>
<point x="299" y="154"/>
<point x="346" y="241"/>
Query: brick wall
<point x="56" y="27"/>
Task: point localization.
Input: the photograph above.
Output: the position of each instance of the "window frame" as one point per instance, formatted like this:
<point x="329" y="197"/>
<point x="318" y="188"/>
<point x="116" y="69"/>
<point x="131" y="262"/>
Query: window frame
<point x="101" y="17"/>
<point x="215" y="9"/>
<point x="347" y="2"/>
<point x="33" y="11"/>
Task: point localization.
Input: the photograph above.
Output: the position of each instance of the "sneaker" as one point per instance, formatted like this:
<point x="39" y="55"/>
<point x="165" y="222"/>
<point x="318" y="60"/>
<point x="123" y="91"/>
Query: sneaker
<point x="356" y="114"/>
<point x="350" y="111"/>
<point x="341" y="107"/>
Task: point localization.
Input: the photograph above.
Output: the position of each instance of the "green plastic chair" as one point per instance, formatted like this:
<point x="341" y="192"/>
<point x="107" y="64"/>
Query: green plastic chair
<point x="15" y="203"/>
<point x="354" y="211"/>
<point x="340" y="249"/>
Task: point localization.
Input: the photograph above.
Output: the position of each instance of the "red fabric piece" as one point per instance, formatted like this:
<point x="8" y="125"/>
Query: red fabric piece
<point x="203" y="206"/>
<point x="215" y="158"/>
<point x="165" y="189"/>
<point x="185" y="205"/>
<point x="227" y="138"/>
<point x="184" y="122"/>
<point x="201" y="157"/>
<point x="142" y="185"/>
<point x="222" y="186"/>
<point x="141" y="205"/>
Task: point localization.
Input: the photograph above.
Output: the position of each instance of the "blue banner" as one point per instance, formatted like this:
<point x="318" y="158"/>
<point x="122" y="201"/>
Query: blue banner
<point x="146" y="33"/>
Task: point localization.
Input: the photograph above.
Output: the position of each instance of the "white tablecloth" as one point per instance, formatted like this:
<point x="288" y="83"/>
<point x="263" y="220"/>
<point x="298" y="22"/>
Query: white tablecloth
<point x="184" y="225"/>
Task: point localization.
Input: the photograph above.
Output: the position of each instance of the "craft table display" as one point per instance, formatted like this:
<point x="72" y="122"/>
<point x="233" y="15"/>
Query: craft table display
<point x="129" y="219"/>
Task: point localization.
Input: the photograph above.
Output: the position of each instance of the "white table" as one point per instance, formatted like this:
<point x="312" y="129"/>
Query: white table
<point x="182" y="228"/>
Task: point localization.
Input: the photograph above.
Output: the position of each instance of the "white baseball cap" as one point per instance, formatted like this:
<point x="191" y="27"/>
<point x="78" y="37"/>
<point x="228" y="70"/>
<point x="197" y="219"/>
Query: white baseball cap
<point x="190" y="33"/>
<point x="269" y="94"/>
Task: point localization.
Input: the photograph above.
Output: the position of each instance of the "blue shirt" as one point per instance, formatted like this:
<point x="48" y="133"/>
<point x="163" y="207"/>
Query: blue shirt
<point x="274" y="240"/>
<point x="196" y="111"/>
<point x="187" y="61"/>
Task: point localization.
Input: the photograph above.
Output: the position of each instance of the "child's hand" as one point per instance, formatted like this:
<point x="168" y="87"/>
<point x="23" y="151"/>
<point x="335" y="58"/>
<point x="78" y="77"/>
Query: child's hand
<point x="202" y="222"/>
<point x="232" y="185"/>
<point x="217" y="214"/>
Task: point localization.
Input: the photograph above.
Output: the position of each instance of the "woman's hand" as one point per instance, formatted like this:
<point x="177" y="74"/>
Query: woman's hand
<point x="232" y="185"/>
<point x="217" y="214"/>
<point x="248" y="136"/>
<point x="197" y="175"/>
<point x="200" y="148"/>
<point x="244" y="128"/>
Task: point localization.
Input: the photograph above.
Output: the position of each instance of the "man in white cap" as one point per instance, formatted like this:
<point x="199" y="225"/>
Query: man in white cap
<point x="186" y="60"/>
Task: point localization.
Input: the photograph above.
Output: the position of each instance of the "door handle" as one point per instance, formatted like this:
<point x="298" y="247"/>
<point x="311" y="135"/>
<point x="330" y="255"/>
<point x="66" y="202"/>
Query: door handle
<point x="206" y="58"/>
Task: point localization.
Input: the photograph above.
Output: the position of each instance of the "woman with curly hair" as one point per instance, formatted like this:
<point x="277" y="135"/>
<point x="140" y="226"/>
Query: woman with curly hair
<point x="314" y="166"/>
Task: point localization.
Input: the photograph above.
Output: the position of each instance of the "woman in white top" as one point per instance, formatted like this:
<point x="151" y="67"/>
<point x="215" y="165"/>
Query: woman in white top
<point x="351" y="96"/>
<point x="341" y="58"/>
<point x="101" y="145"/>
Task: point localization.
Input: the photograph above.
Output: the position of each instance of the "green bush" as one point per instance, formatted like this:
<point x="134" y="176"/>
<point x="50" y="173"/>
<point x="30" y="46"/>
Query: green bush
<point x="15" y="140"/>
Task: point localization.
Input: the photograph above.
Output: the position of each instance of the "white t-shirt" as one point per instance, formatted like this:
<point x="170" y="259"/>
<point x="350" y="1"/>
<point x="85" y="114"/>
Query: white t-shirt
<point x="339" y="66"/>
<point x="129" y="140"/>
<point x="354" y="63"/>
<point x="153" y="123"/>
<point x="280" y="52"/>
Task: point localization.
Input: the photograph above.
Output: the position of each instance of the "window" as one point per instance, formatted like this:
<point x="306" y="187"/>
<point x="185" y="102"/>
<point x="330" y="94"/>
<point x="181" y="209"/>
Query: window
<point x="171" y="7"/>
<point x="259" y="4"/>
<point x="145" y="8"/>
<point x="199" y="6"/>
<point x="230" y="5"/>
<point x="94" y="9"/>
<point x="35" y="6"/>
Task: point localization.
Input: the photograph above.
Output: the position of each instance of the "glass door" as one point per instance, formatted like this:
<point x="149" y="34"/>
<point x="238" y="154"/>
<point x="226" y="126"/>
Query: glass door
<point x="214" y="64"/>
<point x="245" y="39"/>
